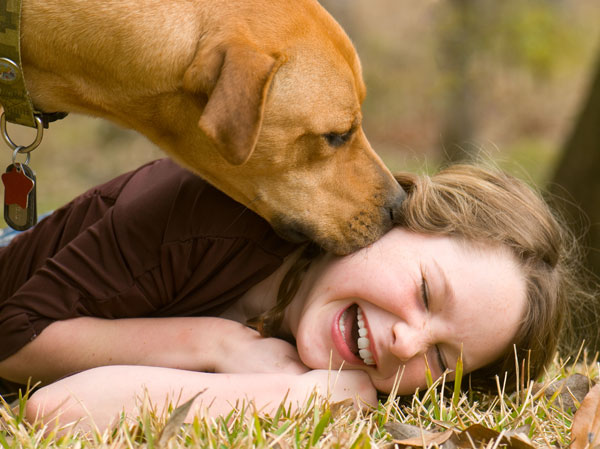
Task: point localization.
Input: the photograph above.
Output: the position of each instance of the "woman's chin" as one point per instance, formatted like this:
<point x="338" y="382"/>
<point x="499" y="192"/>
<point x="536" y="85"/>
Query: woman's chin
<point x="313" y="361"/>
<point x="318" y="359"/>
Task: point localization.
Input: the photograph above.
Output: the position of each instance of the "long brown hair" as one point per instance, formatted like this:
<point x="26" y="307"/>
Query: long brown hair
<point x="491" y="207"/>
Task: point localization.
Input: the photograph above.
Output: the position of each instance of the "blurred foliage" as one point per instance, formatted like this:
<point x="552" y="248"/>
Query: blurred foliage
<point x="523" y="65"/>
<point x="537" y="36"/>
<point x="479" y="40"/>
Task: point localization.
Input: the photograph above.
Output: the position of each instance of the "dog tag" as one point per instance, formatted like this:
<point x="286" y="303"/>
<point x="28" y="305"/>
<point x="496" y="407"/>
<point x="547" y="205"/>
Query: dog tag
<point x="20" y="208"/>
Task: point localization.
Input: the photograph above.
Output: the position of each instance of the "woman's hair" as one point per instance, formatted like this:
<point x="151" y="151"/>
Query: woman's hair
<point x="490" y="207"/>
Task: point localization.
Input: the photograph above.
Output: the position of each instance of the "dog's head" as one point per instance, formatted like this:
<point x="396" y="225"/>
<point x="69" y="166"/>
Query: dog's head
<point x="260" y="97"/>
<point x="269" y="111"/>
<point x="285" y="118"/>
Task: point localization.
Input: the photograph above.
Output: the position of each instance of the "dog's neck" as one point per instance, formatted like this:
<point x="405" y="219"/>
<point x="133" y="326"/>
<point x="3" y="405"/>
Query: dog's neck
<point x="94" y="60"/>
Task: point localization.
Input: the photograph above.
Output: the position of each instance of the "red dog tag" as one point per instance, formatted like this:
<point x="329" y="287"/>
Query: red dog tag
<point x="16" y="186"/>
<point x="20" y="208"/>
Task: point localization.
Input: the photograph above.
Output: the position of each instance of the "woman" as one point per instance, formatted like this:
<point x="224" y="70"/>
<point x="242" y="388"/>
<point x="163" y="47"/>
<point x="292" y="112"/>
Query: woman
<point x="154" y="276"/>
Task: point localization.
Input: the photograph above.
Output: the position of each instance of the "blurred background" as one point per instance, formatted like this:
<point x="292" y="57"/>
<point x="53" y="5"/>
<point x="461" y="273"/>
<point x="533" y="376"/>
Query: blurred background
<point x="517" y="81"/>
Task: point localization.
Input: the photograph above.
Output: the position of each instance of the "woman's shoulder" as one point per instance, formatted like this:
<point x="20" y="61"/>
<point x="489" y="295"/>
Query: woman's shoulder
<point x="183" y="206"/>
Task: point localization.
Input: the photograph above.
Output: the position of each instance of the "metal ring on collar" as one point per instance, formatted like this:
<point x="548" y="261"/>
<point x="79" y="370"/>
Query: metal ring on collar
<point x="23" y="149"/>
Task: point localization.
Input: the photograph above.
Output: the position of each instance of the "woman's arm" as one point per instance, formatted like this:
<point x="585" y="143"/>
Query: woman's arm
<point x="96" y="397"/>
<point x="193" y="343"/>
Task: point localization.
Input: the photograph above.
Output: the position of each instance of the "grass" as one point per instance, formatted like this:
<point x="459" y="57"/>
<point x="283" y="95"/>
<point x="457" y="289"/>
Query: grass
<point x="540" y="418"/>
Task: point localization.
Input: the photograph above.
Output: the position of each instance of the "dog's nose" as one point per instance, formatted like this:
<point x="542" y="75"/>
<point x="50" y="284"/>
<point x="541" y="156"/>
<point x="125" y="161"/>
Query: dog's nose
<point x="395" y="207"/>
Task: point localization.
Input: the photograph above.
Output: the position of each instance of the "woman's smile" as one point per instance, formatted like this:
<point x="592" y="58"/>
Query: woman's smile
<point x="350" y="335"/>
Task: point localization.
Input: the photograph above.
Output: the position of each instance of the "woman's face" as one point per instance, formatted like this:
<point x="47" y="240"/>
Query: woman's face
<point x="407" y="297"/>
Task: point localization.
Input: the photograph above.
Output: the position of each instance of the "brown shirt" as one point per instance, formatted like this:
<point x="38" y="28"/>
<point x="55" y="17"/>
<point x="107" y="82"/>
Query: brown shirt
<point x="155" y="242"/>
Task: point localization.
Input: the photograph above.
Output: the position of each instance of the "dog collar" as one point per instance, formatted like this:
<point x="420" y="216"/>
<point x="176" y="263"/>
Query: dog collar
<point x="14" y="98"/>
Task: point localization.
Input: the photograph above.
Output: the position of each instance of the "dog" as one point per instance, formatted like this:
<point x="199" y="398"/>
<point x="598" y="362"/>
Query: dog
<point x="262" y="98"/>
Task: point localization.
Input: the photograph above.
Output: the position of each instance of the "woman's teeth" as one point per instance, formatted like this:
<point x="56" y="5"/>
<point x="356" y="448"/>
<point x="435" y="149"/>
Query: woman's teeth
<point x="363" y="340"/>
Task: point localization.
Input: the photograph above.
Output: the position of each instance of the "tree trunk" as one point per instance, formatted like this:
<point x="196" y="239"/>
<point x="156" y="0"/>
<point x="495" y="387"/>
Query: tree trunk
<point x="577" y="181"/>
<point x="458" y="50"/>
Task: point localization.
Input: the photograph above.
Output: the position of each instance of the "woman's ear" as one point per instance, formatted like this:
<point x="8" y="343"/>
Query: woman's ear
<point x="237" y="90"/>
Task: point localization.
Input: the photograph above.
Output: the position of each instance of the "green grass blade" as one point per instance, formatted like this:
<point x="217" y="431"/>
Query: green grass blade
<point x="320" y="427"/>
<point x="3" y="441"/>
<point x="458" y="373"/>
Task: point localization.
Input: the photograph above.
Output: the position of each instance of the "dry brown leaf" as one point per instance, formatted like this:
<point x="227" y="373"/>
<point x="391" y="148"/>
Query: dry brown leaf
<point x="585" y="431"/>
<point x="519" y="431"/>
<point x="345" y="407"/>
<point x="571" y="390"/>
<point x="519" y="435"/>
<point x="474" y="436"/>
<point x="426" y="440"/>
<point x="175" y="421"/>
<point x="478" y="436"/>
<point x="401" y="431"/>
<point x="407" y="435"/>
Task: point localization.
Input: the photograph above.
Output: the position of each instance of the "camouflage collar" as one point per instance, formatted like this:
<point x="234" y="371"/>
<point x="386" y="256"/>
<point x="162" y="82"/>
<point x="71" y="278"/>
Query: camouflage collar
<point x="14" y="97"/>
<point x="13" y="94"/>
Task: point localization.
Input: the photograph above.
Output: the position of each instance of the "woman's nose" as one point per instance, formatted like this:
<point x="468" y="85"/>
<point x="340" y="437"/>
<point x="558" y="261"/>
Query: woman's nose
<point x="408" y="340"/>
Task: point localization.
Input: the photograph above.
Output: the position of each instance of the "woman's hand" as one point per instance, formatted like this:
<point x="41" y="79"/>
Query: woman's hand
<point x="245" y="351"/>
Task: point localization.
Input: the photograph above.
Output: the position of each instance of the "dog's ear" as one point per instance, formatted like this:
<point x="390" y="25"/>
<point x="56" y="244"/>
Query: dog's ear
<point x="237" y="92"/>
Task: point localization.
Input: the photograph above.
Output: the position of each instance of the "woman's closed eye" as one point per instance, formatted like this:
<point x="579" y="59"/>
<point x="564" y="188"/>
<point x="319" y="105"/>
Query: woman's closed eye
<point x="426" y="298"/>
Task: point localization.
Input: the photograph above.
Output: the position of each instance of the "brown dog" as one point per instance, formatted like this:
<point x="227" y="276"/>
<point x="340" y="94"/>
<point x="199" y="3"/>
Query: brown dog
<point x="260" y="97"/>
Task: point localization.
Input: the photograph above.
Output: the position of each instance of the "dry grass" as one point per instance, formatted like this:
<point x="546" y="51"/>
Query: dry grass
<point x="318" y="423"/>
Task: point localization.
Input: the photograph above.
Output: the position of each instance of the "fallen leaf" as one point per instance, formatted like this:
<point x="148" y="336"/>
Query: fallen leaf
<point x="519" y="431"/>
<point x="478" y="435"/>
<point x="568" y="392"/>
<point x="345" y="407"/>
<point x="520" y="434"/>
<point x="475" y="436"/>
<point x="407" y="435"/>
<point x="585" y="431"/>
<point x="401" y="431"/>
<point x="175" y="421"/>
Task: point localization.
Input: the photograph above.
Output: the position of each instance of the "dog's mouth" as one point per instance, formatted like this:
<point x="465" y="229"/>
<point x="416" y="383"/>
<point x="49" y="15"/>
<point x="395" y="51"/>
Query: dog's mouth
<point x="292" y="235"/>
<point x="292" y="232"/>
<point x="300" y="233"/>
<point x="358" y="232"/>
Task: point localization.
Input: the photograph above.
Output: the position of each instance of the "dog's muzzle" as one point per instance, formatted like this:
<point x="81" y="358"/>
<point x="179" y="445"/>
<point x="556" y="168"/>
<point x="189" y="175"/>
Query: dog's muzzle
<point x="355" y="233"/>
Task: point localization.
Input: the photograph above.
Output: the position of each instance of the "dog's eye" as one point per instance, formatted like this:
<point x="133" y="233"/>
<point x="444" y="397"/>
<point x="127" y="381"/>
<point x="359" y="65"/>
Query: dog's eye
<point x="336" y="139"/>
